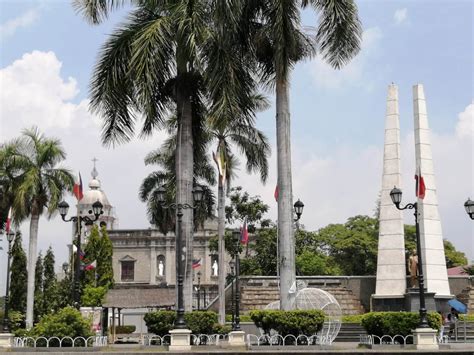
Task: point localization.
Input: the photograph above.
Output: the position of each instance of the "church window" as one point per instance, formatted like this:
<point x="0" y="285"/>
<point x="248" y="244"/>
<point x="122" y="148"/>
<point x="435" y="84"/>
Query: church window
<point x="128" y="270"/>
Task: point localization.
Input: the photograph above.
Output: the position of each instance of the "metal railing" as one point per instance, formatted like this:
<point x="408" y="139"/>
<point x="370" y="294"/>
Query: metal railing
<point x="49" y="342"/>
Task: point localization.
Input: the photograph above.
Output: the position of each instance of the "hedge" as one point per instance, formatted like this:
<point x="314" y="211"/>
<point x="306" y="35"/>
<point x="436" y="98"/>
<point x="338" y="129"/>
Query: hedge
<point x="396" y="323"/>
<point x="199" y="322"/>
<point x="123" y="329"/>
<point x="298" y="322"/>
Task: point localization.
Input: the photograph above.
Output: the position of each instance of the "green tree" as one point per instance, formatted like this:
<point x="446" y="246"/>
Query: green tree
<point x="18" y="277"/>
<point x="105" y="271"/>
<point x="453" y="256"/>
<point x="91" y="253"/>
<point x="41" y="184"/>
<point x="280" y="43"/>
<point x="50" y="283"/>
<point x="309" y="263"/>
<point x="93" y="296"/>
<point x="38" y="305"/>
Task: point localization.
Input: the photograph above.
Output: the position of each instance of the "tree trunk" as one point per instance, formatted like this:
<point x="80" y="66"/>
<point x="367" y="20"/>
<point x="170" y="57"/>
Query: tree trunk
<point x="32" y="251"/>
<point x="221" y="248"/>
<point x="184" y="178"/>
<point x="285" y="197"/>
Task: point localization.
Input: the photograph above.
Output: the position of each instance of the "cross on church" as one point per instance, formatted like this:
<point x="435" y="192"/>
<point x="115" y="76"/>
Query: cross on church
<point x="94" y="171"/>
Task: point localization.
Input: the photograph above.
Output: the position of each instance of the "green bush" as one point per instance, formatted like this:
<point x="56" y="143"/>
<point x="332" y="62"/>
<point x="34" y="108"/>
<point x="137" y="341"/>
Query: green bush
<point x="355" y="318"/>
<point x="17" y="320"/>
<point x="199" y="322"/>
<point x="67" y="322"/>
<point x="221" y="329"/>
<point x="243" y="318"/>
<point x="396" y="323"/>
<point x="123" y="329"/>
<point x="296" y="322"/>
<point x="93" y="296"/>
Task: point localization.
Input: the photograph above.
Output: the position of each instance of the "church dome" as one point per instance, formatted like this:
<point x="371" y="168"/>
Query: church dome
<point x="94" y="193"/>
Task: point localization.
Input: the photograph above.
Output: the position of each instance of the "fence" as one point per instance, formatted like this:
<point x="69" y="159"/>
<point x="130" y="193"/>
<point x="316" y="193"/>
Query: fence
<point x="278" y="340"/>
<point x="199" y="339"/>
<point x="49" y="342"/>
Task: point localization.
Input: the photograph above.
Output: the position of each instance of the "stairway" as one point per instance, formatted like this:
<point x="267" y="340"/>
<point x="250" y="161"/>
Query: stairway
<point x="254" y="296"/>
<point x="350" y="332"/>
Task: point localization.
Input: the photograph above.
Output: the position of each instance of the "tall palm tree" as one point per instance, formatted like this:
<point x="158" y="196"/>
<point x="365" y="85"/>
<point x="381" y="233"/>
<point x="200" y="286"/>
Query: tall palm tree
<point x="280" y="42"/>
<point x="40" y="185"/>
<point x="164" y="59"/>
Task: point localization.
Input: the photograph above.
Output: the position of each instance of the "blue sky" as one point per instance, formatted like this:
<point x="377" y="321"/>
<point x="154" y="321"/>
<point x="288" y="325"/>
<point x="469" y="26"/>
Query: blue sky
<point x="47" y="54"/>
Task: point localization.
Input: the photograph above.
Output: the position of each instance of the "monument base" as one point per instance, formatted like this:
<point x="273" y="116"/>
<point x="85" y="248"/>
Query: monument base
<point x="6" y="340"/>
<point x="237" y="338"/>
<point x="387" y="303"/>
<point x="425" y="339"/>
<point x="180" y="340"/>
<point x="412" y="300"/>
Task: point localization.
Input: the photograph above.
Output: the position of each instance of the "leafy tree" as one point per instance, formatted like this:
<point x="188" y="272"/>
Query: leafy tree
<point x="310" y="263"/>
<point x="93" y="296"/>
<point x="50" y="284"/>
<point x="18" y="277"/>
<point x="453" y="256"/>
<point x="92" y="253"/>
<point x="39" y="288"/>
<point x="105" y="271"/>
<point x="40" y="185"/>
<point x="280" y="43"/>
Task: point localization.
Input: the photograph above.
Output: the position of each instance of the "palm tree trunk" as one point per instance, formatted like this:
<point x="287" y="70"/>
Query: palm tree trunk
<point x="221" y="247"/>
<point x="285" y="203"/>
<point x="32" y="251"/>
<point x="184" y="178"/>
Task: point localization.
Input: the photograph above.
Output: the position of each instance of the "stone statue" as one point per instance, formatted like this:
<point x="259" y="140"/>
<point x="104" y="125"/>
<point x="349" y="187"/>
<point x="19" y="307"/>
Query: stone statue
<point x="161" y="268"/>
<point x="413" y="268"/>
<point x="215" y="268"/>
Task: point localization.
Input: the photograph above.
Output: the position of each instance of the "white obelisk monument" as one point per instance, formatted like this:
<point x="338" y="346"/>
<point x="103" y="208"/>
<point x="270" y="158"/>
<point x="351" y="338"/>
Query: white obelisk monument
<point x="391" y="269"/>
<point x="431" y="235"/>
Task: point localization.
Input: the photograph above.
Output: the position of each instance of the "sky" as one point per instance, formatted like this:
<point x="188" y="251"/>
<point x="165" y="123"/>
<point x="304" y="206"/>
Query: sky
<point x="47" y="55"/>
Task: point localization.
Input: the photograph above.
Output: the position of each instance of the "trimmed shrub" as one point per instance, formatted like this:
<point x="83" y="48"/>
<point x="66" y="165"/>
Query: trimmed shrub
<point x="68" y="322"/>
<point x="199" y="322"/>
<point x="243" y="318"/>
<point x="124" y="329"/>
<point x="221" y="329"/>
<point x="297" y="322"/>
<point x="396" y="323"/>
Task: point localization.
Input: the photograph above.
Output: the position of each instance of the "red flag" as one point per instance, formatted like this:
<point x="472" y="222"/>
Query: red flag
<point x="196" y="263"/>
<point x="420" y="185"/>
<point x="244" y="234"/>
<point x="276" y="193"/>
<point x="91" y="266"/>
<point x="77" y="189"/>
<point x="9" y="221"/>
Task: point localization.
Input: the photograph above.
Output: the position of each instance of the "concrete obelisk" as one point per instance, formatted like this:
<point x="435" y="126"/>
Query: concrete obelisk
<point x="431" y="235"/>
<point x="391" y="275"/>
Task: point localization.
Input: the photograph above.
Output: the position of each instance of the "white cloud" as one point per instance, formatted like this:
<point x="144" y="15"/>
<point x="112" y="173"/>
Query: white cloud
<point x="9" y="27"/>
<point x="465" y="125"/>
<point x="354" y="73"/>
<point x="400" y="16"/>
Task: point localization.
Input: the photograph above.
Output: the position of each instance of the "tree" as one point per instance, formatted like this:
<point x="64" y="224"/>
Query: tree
<point x="38" y="305"/>
<point x="167" y="58"/>
<point x="41" y="184"/>
<point x="105" y="271"/>
<point x="453" y="257"/>
<point x="18" y="277"/>
<point x="280" y="43"/>
<point x="50" y="283"/>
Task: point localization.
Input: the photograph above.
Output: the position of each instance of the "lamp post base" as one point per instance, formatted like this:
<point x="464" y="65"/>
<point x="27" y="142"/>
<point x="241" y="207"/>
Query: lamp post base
<point x="6" y="340"/>
<point x="180" y="340"/>
<point x="425" y="339"/>
<point x="237" y="338"/>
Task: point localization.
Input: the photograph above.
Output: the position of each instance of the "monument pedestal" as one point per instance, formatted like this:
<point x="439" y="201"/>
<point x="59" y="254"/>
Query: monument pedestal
<point x="180" y="340"/>
<point x="237" y="338"/>
<point x="425" y="339"/>
<point x="412" y="300"/>
<point x="393" y="303"/>
<point x="6" y="340"/>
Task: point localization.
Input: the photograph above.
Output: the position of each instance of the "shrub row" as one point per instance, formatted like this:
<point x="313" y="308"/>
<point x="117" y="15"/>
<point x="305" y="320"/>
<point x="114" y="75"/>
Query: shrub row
<point x="396" y="323"/>
<point x="199" y="322"/>
<point x="123" y="329"/>
<point x="298" y="322"/>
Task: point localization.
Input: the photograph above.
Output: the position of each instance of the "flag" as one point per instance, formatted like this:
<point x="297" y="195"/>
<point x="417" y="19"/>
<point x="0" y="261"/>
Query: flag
<point x="219" y="158"/>
<point x="9" y="221"/>
<point x="244" y="234"/>
<point x="196" y="263"/>
<point x="91" y="266"/>
<point x="77" y="189"/>
<point x="420" y="185"/>
<point x="276" y="193"/>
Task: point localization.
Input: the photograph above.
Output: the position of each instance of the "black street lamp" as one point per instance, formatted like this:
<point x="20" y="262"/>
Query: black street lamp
<point x="180" y="323"/>
<point x="6" y="321"/>
<point x="236" y="322"/>
<point x="97" y="210"/>
<point x="232" y="304"/>
<point x="199" y="290"/>
<point x="396" y="196"/>
<point x="298" y="209"/>
<point x="469" y="206"/>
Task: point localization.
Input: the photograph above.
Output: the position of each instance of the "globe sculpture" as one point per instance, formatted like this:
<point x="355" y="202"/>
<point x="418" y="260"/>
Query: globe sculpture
<point x="315" y="298"/>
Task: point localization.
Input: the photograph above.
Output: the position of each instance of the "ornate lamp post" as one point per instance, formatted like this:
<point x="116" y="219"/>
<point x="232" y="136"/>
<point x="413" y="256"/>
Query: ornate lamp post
<point x="97" y="210"/>
<point x="6" y="321"/>
<point x="298" y="206"/>
<point x="180" y="251"/>
<point x="232" y="305"/>
<point x="396" y="196"/>
<point x="236" y="323"/>
<point x="199" y="290"/>
<point x="469" y="206"/>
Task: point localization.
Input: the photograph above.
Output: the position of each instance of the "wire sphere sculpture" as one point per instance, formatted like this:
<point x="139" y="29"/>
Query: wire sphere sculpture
<point x="315" y="298"/>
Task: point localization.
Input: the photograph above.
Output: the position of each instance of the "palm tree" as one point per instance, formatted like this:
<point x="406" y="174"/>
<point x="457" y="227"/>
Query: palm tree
<point x="40" y="184"/>
<point x="280" y="42"/>
<point x="252" y="143"/>
<point x="167" y="58"/>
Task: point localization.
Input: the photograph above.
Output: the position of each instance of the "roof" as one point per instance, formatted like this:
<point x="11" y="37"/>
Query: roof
<point x="457" y="270"/>
<point x="140" y="297"/>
